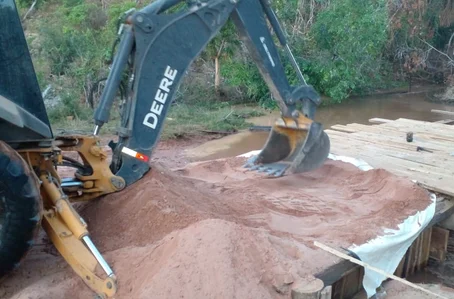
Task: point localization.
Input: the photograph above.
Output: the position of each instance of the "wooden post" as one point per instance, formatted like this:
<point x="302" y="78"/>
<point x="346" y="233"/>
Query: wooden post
<point x="308" y="289"/>
<point x="326" y="293"/>
<point x="439" y="243"/>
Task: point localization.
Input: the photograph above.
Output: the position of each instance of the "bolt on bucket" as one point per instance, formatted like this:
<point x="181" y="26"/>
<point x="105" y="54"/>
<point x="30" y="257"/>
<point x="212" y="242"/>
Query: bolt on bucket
<point x="293" y="146"/>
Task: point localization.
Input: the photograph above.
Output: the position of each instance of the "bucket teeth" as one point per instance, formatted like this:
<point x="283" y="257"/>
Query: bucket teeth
<point x="272" y="169"/>
<point x="292" y="148"/>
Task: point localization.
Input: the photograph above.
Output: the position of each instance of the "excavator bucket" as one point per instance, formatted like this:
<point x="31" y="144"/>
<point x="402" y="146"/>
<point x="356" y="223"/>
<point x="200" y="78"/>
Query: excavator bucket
<point x="293" y="146"/>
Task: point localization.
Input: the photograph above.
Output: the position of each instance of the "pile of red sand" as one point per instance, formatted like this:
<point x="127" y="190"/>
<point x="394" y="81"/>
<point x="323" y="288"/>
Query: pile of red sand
<point x="215" y="230"/>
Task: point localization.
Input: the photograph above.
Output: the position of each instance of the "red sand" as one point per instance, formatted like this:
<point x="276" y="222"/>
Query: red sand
<point x="213" y="230"/>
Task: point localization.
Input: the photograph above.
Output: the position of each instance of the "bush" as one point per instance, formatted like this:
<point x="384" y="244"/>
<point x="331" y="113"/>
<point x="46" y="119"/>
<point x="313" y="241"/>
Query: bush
<point x="74" y="44"/>
<point x="348" y="41"/>
<point x="247" y="78"/>
<point x="69" y="107"/>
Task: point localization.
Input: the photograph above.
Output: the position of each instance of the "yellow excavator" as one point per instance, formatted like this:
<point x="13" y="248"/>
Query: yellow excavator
<point x="156" y="46"/>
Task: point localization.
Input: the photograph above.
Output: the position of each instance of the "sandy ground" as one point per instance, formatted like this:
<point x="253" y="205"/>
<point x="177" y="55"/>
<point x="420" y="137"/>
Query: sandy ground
<point x="397" y="290"/>
<point x="213" y="230"/>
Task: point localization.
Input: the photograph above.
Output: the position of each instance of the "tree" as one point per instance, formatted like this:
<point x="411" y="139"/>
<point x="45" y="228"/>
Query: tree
<point x="221" y="47"/>
<point x="349" y="38"/>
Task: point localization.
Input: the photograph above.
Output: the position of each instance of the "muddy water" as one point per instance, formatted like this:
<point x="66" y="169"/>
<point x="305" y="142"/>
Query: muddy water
<point x="358" y="110"/>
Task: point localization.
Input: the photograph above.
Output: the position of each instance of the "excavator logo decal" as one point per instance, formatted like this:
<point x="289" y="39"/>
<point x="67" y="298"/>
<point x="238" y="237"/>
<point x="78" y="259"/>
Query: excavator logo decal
<point x="151" y="120"/>
<point x="262" y="39"/>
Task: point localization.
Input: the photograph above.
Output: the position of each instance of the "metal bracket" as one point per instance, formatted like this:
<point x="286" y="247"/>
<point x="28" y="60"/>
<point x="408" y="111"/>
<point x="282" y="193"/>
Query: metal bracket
<point x="143" y="22"/>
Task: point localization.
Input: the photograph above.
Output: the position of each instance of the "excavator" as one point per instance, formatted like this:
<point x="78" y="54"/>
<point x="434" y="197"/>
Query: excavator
<point x="156" y="45"/>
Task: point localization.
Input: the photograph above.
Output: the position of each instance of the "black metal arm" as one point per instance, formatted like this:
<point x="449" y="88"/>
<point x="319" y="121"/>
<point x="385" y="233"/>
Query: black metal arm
<point x="163" y="46"/>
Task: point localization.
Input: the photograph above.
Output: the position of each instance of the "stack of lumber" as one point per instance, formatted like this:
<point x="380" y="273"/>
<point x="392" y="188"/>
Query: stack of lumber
<point x="383" y="144"/>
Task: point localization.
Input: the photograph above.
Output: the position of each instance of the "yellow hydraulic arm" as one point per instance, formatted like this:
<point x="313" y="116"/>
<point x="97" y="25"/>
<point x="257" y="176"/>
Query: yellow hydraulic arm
<point x="64" y="226"/>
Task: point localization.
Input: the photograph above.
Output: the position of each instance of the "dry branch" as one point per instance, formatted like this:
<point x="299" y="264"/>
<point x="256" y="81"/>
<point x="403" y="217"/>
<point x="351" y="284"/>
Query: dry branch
<point x="29" y="10"/>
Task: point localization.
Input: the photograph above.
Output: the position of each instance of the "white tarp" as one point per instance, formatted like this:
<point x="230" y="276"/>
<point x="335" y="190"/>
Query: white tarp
<point x="385" y="252"/>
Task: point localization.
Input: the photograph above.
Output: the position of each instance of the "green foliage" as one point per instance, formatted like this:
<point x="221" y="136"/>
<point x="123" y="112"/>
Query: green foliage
<point x="116" y="10"/>
<point x="74" y="42"/>
<point x="26" y="4"/>
<point x="69" y="107"/>
<point x="286" y="10"/>
<point x="191" y="119"/>
<point x="246" y="77"/>
<point x="348" y="41"/>
<point x="343" y="53"/>
<point x="225" y="43"/>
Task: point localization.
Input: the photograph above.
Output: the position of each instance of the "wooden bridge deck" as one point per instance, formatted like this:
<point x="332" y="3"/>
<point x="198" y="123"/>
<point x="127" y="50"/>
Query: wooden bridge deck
<point x="383" y="144"/>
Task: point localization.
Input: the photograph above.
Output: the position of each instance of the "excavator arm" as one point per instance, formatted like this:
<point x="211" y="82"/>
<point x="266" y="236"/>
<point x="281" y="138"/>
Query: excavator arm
<point x="159" y="43"/>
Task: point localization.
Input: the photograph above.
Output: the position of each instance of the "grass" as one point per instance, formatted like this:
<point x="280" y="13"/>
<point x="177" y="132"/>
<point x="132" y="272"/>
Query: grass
<point x="192" y="119"/>
<point x="183" y="119"/>
<point x="80" y="126"/>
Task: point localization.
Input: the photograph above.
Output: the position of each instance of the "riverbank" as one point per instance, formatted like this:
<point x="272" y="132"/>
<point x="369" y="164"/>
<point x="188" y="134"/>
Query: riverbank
<point x="194" y="119"/>
<point x="183" y="120"/>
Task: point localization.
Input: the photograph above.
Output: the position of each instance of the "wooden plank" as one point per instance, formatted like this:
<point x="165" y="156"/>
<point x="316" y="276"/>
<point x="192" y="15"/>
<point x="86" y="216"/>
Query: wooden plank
<point x="419" y="258"/>
<point x="446" y="121"/>
<point x="451" y="241"/>
<point x="443" y="210"/>
<point x="423" y="157"/>
<point x="432" y="170"/>
<point x="336" y="272"/>
<point x="408" y="270"/>
<point x="377" y="270"/>
<point x="427" y="235"/>
<point x="342" y="128"/>
<point x="437" y="135"/>
<point x="352" y="283"/>
<point x="434" y="181"/>
<point x="424" y="174"/>
<point x="440" y="185"/>
<point x="444" y="112"/>
<point x="404" y="126"/>
<point x="420" y="126"/>
<point x="417" y="244"/>
<point x="439" y="243"/>
<point x="398" y="139"/>
<point x="378" y="120"/>
<point x="391" y="161"/>
<point x="437" y="152"/>
<point x="434" y="134"/>
<point x="338" y="289"/>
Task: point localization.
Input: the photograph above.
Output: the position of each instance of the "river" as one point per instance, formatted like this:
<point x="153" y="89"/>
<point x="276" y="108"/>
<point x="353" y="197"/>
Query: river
<point x="412" y="105"/>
